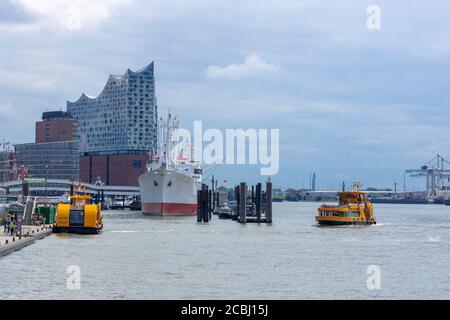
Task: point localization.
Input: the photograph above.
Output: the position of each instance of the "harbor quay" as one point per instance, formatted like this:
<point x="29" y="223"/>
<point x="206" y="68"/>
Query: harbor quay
<point x="28" y="235"/>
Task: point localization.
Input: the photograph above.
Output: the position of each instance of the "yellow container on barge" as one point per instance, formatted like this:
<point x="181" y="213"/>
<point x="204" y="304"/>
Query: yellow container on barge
<point x="80" y="216"/>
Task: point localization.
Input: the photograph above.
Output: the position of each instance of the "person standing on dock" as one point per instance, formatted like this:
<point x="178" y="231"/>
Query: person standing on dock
<point x="6" y="224"/>
<point x="12" y="226"/>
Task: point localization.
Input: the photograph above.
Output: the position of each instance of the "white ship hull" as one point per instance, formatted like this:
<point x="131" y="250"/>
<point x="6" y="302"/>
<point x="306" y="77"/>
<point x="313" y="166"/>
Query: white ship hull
<point x="443" y="195"/>
<point x="166" y="192"/>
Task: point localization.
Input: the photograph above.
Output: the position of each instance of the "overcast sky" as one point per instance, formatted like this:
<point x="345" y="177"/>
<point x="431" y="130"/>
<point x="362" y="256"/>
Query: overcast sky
<point x="351" y="103"/>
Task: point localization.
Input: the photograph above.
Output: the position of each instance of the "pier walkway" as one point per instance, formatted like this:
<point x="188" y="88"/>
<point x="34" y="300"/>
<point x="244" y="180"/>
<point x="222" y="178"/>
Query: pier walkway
<point x="9" y="244"/>
<point x="59" y="187"/>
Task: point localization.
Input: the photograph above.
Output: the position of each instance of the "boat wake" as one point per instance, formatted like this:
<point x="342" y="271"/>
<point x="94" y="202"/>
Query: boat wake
<point x="381" y="225"/>
<point x="160" y="231"/>
<point x="143" y="231"/>
<point x="124" y="231"/>
<point x="433" y="239"/>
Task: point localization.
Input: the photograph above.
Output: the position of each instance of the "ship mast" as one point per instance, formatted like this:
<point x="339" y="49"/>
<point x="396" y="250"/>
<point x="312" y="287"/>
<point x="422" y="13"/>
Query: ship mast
<point x="167" y="138"/>
<point x="168" y="143"/>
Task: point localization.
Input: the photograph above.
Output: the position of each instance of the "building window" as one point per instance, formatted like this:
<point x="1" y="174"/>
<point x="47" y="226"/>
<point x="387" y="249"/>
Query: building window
<point x="137" y="164"/>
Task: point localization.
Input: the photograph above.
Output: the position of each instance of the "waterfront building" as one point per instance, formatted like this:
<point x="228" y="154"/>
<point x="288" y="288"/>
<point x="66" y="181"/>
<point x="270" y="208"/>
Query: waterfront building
<point x="122" y="119"/>
<point x="59" y="187"/>
<point x="49" y="160"/>
<point x="7" y="165"/>
<point x="114" y="170"/>
<point x="118" y="128"/>
<point x="56" y="151"/>
<point x="56" y="126"/>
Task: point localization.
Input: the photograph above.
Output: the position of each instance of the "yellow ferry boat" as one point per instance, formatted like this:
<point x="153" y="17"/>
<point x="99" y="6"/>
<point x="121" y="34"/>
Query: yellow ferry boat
<point x="80" y="216"/>
<point x="354" y="208"/>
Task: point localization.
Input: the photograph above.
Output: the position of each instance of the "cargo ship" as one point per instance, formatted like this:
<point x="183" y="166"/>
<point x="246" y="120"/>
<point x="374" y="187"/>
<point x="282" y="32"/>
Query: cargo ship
<point x="169" y="185"/>
<point x="354" y="208"/>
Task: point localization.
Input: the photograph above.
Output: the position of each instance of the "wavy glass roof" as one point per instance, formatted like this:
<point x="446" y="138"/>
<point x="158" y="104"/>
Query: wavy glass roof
<point x="112" y="79"/>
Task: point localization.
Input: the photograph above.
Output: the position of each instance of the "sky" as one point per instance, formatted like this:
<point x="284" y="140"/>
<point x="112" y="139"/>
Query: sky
<point x="351" y="103"/>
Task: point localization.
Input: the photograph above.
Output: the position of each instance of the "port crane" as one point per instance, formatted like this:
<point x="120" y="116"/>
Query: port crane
<point x="437" y="177"/>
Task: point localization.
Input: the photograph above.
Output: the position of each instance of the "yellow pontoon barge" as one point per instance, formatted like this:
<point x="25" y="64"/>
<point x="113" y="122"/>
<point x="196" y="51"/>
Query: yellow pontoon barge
<point x="354" y="208"/>
<point x="80" y="216"/>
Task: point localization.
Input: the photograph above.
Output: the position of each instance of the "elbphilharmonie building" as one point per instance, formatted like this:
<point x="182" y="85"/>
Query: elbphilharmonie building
<point x="122" y="119"/>
<point x="118" y="128"/>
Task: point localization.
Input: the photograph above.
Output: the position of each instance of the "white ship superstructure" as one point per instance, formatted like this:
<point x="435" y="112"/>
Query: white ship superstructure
<point x="169" y="187"/>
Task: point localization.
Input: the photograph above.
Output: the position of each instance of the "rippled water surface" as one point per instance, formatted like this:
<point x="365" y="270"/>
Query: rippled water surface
<point x="138" y="257"/>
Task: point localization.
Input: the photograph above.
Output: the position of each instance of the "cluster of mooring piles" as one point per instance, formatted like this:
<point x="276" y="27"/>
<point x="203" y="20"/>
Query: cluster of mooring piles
<point x="251" y="204"/>
<point x="204" y="203"/>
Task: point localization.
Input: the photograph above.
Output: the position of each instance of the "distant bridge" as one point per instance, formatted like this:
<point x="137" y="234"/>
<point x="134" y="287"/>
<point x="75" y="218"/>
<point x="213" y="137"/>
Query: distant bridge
<point x="59" y="187"/>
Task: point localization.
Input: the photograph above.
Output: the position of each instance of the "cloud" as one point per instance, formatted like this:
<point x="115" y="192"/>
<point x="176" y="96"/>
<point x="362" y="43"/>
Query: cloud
<point x="69" y="14"/>
<point x="6" y="109"/>
<point x="12" y="120"/>
<point x="11" y="13"/>
<point x="253" y="65"/>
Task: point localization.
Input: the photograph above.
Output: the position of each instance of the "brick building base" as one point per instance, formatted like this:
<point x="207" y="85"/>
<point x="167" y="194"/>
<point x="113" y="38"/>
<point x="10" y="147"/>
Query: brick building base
<point x="114" y="170"/>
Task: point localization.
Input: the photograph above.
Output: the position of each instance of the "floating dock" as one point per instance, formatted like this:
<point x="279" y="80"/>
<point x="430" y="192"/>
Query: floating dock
<point x="251" y="206"/>
<point x="255" y="206"/>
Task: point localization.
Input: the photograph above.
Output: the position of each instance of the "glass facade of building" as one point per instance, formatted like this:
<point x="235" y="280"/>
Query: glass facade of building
<point x="122" y="119"/>
<point x="6" y="166"/>
<point x="51" y="160"/>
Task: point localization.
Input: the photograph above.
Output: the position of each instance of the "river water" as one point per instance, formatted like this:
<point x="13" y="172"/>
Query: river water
<point x="138" y="257"/>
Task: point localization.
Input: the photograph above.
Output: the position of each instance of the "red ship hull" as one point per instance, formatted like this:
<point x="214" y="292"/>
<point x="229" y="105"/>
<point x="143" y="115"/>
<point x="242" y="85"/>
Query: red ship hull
<point x="169" y="209"/>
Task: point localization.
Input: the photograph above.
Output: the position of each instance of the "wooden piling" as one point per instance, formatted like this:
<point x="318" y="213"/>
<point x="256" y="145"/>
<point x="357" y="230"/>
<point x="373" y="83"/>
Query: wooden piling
<point x="206" y="205"/>
<point x="237" y="193"/>
<point x="242" y="203"/>
<point x="199" y="205"/>
<point x="258" y="202"/>
<point x="210" y="204"/>
<point x="269" y="202"/>
<point x="202" y="205"/>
